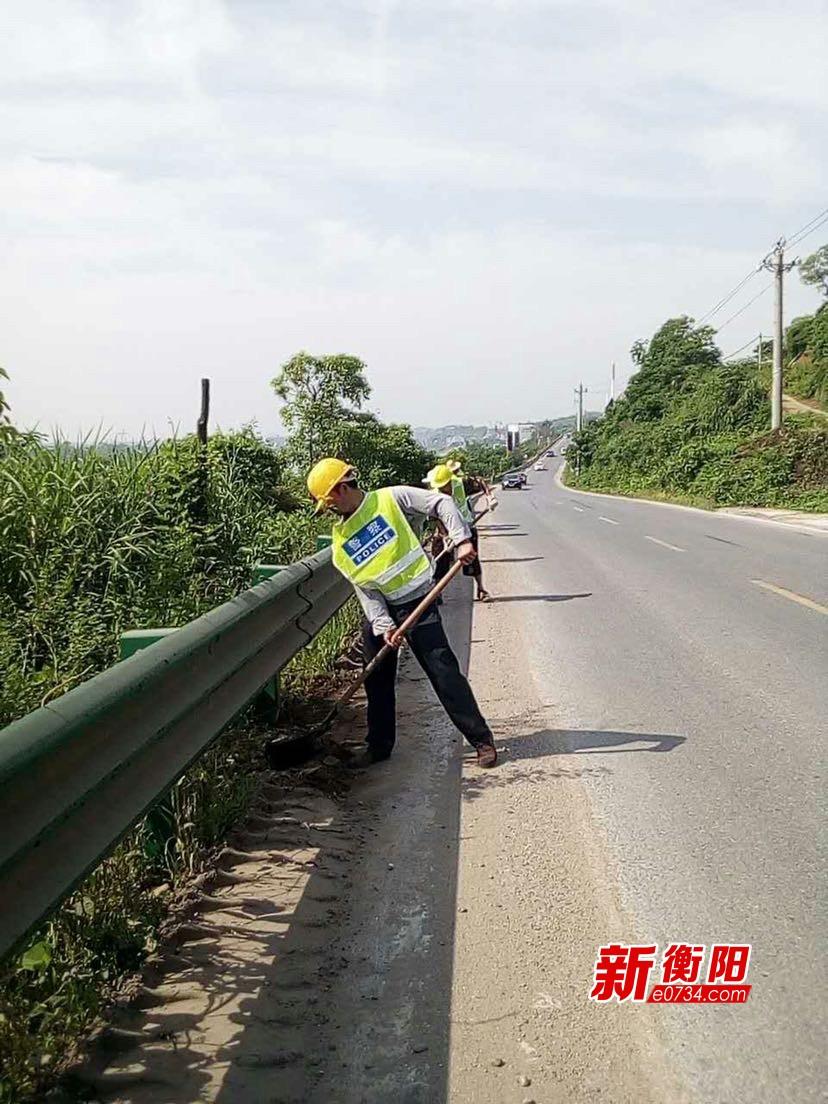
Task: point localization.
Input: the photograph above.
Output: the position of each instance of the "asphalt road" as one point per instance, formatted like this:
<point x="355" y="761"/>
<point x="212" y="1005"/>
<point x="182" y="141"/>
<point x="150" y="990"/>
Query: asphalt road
<point x="686" y="654"/>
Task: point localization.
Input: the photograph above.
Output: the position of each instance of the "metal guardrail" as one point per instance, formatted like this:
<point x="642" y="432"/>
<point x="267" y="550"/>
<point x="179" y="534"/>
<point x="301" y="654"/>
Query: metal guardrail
<point x="78" y="773"/>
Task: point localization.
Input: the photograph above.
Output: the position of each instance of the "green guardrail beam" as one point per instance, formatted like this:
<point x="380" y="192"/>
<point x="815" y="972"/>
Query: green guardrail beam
<point x="78" y="773"/>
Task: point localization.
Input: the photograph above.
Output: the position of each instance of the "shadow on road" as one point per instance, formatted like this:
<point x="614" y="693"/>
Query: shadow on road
<point x="548" y="742"/>
<point x="475" y="785"/>
<point x="721" y="540"/>
<point x="535" y="745"/>
<point x="513" y="559"/>
<point x="538" y="597"/>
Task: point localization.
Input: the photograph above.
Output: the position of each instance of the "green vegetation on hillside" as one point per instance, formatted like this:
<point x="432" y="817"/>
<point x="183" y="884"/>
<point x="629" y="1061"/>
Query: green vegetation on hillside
<point x="690" y="425"/>
<point x="806" y="339"/>
<point x="806" y="353"/>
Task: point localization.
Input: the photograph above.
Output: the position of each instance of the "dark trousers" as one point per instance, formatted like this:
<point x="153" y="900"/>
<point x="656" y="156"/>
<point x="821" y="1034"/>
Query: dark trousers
<point x="429" y="644"/>
<point x="444" y="563"/>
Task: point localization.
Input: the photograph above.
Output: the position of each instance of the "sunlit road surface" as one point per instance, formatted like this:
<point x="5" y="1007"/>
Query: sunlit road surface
<point x="688" y="654"/>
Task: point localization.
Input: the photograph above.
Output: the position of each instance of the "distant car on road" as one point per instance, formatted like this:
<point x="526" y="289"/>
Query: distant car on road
<point x="513" y="481"/>
<point x="551" y="452"/>
<point x="540" y="466"/>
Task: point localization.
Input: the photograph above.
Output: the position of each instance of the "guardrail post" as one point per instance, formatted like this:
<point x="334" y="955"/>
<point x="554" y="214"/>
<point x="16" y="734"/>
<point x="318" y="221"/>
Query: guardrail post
<point x="262" y="571"/>
<point x="134" y="640"/>
<point x="267" y="703"/>
<point x="160" y="820"/>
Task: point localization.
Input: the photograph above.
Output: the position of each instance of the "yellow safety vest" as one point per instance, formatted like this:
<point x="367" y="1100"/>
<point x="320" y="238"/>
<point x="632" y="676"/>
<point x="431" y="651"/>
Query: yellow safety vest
<point x="458" y="493"/>
<point x="377" y="549"/>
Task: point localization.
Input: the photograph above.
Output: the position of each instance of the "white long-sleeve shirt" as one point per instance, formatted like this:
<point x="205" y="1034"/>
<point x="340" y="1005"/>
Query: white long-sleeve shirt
<point x="416" y="504"/>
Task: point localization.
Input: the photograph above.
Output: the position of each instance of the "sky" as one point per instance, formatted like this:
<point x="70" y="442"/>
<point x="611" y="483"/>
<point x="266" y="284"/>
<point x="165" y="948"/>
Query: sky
<point x="488" y="201"/>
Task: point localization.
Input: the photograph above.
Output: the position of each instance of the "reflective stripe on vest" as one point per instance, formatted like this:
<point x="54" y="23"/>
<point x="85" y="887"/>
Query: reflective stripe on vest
<point x="376" y="548"/>
<point x="458" y="493"/>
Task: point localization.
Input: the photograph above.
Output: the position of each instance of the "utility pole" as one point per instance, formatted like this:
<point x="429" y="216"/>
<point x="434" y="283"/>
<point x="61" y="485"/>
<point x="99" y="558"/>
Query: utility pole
<point x="612" y="382"/>
<point x="760" y="354"/>
<point x="579" y="410"/>
<point x="777" y="266"/>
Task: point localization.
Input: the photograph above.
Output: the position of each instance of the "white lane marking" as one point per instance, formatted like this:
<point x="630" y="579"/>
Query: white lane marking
<point x="609" y="521"/>
<point x="722" y="512"/>
<point x="580" y="509"/>
<point x="664" y="544"/>
<point x="809" y="603"/>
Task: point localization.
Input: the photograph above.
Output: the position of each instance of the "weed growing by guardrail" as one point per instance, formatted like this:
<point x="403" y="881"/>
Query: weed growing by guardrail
<point x="51" y="994"/>
<point x="94" y="541"/>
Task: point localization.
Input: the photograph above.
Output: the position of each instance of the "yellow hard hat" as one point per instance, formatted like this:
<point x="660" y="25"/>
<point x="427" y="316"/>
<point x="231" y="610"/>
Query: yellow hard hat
<point x="439" y="476"/>
<point x="454" y="466"/>
<point x="324" y="476"/>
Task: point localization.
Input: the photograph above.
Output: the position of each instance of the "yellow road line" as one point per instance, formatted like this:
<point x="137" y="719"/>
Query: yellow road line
<point x="794" y="597"/>
<point x="664" y="544"/>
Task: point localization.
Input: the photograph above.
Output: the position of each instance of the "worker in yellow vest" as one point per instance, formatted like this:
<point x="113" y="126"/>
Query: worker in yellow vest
<point x="447" y="479"/>
<point x="472" y="484"/>
<point x="375" y="547"/>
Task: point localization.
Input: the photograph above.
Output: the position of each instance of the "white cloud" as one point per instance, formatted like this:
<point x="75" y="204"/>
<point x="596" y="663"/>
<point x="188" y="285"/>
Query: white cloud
<point x="512" y="190"/>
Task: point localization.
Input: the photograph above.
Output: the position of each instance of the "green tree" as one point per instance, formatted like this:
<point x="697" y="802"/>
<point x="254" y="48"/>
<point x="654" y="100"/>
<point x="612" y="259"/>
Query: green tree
<point x="667" y="364"/>
<point x="814" y="270"/>
<point x="382" y="454"/>
<point x="320" y="395"/>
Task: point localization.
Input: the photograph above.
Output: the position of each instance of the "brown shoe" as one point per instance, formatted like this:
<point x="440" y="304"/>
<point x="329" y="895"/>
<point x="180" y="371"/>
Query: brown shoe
<point x="486" y="755"/>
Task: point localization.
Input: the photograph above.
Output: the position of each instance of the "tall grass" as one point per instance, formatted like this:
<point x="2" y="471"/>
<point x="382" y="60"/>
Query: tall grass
<point x="94" y="541"/>
<point x="92" y="544"/>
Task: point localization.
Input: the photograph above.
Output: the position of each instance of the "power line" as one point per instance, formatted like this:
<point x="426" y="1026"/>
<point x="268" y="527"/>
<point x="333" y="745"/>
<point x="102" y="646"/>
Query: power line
<point x="723" y="302"/>
<point x="766" y="288"/>
<point x="741" y="348"/>
<point x="813" y="230"/>
<point x="808" y="228"/>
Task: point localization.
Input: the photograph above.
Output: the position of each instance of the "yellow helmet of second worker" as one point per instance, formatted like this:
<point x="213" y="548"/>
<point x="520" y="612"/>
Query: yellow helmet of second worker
<point x="439" y="476"/>
<point x="324" y="476"/>
<point x="455" y="466"/>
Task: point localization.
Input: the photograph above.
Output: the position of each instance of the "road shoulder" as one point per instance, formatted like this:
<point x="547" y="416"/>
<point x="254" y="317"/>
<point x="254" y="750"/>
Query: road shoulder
<point x="790" y="519"/>
<point x="317" y="966"/>
<point x="536" y="898"/>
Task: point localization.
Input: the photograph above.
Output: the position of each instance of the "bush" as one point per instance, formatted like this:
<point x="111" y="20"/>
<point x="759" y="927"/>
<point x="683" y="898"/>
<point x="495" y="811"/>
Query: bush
<point x="95" y="540"/>
<point x="806" y="347"/>
<point x="694" y="427"/>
